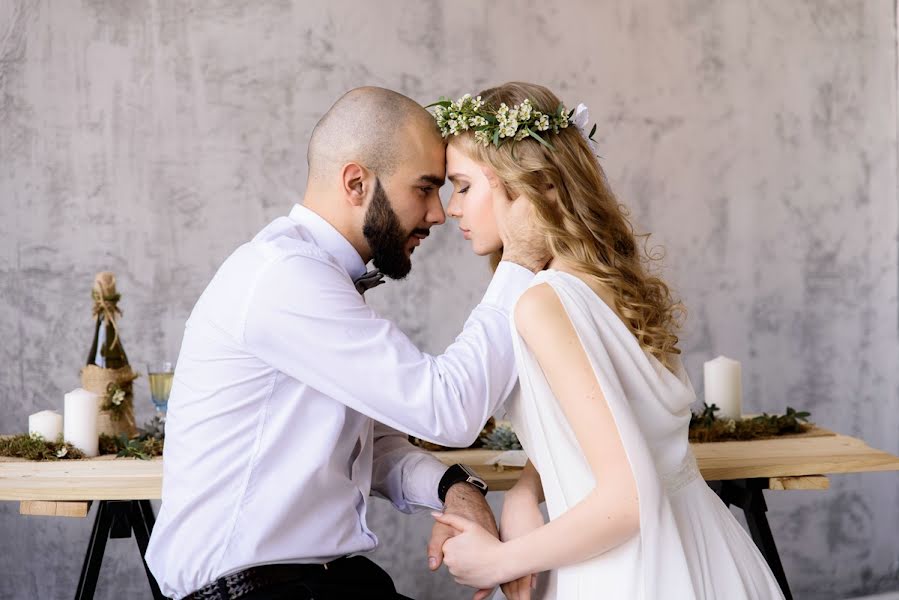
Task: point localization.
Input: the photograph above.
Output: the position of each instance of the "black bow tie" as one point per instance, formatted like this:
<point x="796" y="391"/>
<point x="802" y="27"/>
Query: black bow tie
<point x="373" y="278"/>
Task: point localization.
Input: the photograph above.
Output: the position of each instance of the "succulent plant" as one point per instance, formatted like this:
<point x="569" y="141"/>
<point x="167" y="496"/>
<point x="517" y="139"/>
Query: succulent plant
<point x="501" y="438"/>
<point x="153" y="429"/>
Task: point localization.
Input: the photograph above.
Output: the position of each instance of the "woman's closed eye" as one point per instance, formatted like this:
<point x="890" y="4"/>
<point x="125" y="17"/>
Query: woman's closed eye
<point x="463" y="190"/>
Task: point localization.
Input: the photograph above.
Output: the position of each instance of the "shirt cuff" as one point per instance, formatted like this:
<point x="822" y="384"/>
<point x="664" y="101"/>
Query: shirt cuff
<point x="508" y="284"/>
<point x="428" y="473"/>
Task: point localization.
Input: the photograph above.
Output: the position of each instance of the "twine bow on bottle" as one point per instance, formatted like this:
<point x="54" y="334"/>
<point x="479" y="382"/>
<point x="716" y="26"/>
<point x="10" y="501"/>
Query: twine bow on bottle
<point x="105" y="302"/>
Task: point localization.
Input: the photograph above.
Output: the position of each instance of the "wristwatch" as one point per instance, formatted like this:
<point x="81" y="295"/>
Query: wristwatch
<point x="459" y="474"/>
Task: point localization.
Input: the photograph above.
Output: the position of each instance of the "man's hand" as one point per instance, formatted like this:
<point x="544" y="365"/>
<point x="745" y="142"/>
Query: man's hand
<point x="465" y="500"/>
<point x="523" y="241"/>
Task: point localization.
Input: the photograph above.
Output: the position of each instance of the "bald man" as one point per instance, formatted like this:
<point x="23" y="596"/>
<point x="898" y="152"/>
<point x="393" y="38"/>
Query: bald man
<point x="292" y="399"/>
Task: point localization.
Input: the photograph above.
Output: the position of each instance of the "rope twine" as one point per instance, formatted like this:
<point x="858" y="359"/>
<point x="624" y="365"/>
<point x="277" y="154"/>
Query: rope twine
<point x="106" y="302"/>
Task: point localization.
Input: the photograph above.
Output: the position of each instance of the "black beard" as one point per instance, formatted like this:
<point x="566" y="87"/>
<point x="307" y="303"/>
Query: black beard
<point x="385" y="236"/>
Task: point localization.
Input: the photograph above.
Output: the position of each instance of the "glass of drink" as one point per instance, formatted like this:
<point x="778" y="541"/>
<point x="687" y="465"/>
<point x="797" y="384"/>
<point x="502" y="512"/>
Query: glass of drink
<point x="161" y="374"/>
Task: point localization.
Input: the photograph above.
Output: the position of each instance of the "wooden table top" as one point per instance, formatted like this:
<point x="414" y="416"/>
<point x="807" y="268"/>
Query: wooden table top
<point x="791" y="462"/>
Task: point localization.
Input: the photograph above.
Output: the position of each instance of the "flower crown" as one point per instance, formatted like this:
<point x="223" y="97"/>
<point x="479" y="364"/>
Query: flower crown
<point x="503" y="124"/>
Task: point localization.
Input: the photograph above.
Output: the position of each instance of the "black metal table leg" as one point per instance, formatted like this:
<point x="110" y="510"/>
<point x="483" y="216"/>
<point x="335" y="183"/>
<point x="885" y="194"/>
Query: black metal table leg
<point x="87" y="583"/>
<point x="748" y="495"/>
<point x="117" y="519"/>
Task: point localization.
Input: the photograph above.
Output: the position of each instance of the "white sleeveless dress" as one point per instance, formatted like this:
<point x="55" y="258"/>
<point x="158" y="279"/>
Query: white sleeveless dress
<point x="689" y="546"/>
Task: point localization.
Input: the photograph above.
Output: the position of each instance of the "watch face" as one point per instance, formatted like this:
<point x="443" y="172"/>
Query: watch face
<point x="477" y="482"/>
<point x="474" y="479"/>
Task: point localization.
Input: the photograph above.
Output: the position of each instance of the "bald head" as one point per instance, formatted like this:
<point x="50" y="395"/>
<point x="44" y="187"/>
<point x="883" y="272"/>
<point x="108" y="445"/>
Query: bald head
<point x="368" y="125"/>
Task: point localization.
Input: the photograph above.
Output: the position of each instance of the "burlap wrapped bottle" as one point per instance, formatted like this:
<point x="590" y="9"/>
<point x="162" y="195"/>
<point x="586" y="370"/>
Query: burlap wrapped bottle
<point x="107" y="372"/>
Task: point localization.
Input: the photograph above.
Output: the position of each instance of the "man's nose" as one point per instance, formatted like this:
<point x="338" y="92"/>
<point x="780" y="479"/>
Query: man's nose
<point x="436" y="214"/>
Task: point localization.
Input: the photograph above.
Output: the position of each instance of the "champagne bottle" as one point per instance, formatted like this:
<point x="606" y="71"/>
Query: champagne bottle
<point x="107" y="371"/>
<point x="107" y="351"/>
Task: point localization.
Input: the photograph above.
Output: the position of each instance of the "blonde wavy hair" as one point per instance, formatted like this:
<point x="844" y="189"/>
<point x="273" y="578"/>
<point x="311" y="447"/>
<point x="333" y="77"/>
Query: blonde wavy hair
<point x="586" y="226"/>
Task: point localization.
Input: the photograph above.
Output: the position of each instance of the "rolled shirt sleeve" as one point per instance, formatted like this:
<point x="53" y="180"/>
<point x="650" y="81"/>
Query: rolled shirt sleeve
<point x="404" y="474"/>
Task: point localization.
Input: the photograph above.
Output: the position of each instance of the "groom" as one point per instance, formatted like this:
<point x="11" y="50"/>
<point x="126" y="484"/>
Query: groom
<point x="292" y="398"/>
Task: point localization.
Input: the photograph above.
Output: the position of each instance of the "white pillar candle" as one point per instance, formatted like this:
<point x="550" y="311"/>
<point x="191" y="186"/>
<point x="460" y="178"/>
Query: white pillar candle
<point x="723" y="387"/>
<point x="82" y="408"/>
<point x="47" y="424"/>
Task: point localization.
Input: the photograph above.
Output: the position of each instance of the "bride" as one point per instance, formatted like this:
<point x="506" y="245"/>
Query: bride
<point x="604" y="404"/>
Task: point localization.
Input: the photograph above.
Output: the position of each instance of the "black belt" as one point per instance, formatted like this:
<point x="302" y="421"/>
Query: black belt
<point x="237" y="585"/>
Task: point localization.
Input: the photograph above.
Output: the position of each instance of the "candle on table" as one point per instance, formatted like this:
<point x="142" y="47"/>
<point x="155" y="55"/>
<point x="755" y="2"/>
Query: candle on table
<point x="82" y="408"/>
<point x="723" y="387"/>
<point x="47" y="424"/>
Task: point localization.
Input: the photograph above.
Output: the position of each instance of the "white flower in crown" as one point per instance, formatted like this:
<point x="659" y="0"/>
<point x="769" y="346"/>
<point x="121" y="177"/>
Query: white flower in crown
<point x="581" y="119"/>
<point x="62" y="451"/>
<point x="482" y="138"/>
<point x="524" y="110"/>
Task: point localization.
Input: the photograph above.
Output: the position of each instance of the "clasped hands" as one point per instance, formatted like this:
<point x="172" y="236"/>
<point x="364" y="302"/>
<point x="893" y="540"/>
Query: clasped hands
<point x="465" y="538"/>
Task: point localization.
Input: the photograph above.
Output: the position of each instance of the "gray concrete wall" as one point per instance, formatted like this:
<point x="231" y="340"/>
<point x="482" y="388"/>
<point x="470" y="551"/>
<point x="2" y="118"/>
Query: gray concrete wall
<point x="756" y="139"/>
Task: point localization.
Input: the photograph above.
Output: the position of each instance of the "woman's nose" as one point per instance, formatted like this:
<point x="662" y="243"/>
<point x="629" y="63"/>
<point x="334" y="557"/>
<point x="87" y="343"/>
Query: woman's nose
<point x="454" y="208"/>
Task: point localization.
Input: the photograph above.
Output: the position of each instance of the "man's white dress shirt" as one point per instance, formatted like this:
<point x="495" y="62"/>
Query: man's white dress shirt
<point x="288" y="401"/>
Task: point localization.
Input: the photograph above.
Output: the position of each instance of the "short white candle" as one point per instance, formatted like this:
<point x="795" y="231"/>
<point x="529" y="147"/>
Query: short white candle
<point x="47" y="424"/>
<point x="723" y="387"/>
<point x="82" y="408"/>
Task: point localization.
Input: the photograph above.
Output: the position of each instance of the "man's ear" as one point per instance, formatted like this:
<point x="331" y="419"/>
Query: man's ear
<point x="353" y="179"/>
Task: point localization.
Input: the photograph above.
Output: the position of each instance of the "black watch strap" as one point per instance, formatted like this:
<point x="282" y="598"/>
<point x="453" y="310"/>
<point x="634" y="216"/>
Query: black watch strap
<point x="459" y="474"/>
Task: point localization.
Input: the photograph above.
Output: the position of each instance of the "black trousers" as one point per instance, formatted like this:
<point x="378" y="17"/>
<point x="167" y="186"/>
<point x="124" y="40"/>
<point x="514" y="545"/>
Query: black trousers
<point x="347" y="578"/>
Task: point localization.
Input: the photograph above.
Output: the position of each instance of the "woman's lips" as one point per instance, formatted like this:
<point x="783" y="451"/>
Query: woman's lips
<point x="466" y="233"/>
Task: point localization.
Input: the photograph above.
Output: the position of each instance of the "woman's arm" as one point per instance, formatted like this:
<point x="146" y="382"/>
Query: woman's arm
<point x="521" y="515"/>
<point x="528" y="485"/>
<point x="605" y="519"/>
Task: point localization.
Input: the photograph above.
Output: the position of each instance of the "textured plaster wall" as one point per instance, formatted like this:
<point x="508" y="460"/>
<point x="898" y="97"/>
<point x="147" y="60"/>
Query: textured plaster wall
<point x="757" y="140"/>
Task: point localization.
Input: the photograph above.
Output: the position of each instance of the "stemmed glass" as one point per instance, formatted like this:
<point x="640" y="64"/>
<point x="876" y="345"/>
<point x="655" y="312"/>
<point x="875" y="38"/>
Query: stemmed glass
<point x="161" y="374"/>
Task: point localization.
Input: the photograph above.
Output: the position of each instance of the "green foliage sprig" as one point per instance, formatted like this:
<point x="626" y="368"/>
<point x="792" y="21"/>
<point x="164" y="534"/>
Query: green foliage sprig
<point x="705" y="426"/>
<point x="148" y="444"/>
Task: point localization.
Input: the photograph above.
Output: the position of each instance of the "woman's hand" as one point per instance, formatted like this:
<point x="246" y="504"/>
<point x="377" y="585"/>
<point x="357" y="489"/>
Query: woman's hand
<point x="521" y="515"/>
<point x="473" y="556"/>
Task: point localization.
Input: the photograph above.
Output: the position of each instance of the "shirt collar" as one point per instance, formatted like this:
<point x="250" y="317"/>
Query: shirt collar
<point x="330" y="240"/>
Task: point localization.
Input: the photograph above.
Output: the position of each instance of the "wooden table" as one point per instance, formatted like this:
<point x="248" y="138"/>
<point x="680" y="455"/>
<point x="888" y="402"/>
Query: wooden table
<point x="737" y="471"/>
